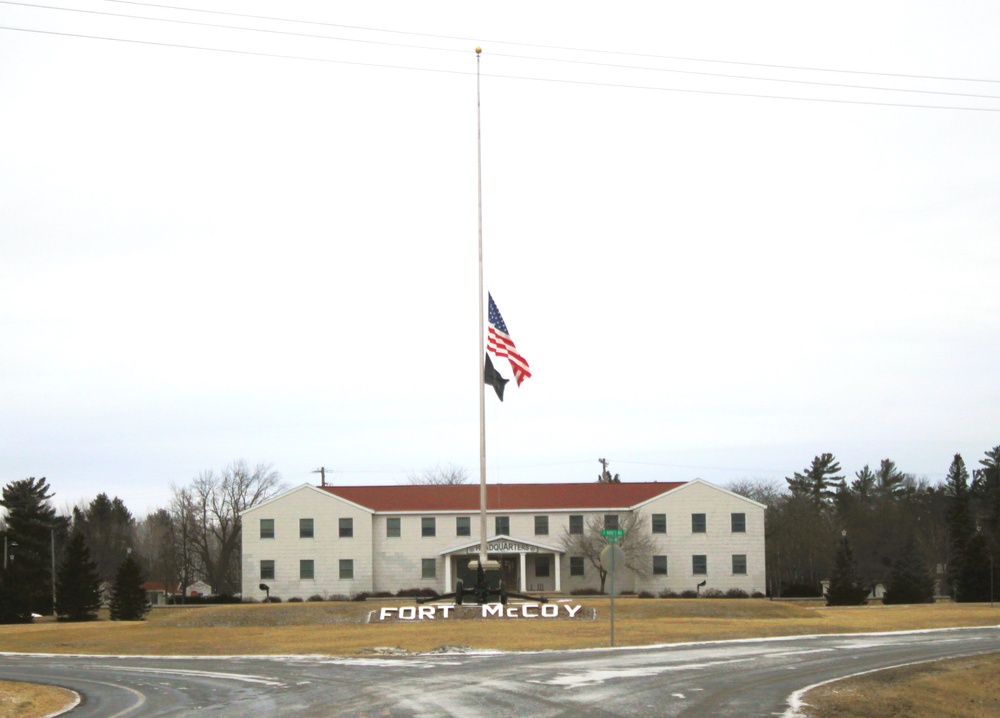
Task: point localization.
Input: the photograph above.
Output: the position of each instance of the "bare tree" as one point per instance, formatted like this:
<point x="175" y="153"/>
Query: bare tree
<point x="209" y="520"/>
<point x="154" y="543"/>
<point x="184" y="528"/>
<point x="449" y="475"/>
<point x="637" y="544"/>
<point x="769" y="492"/>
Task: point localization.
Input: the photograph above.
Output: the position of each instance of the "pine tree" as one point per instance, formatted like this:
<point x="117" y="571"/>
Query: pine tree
<point x="910" y="581"/>
<point x="78" y="585"/>
<point x="889" y="481"/>
<point x="986" y="488"/>
<point x="819" y="482"/>
<point x="128" y="599"/>
<point x="14" y="604"/>
<point x="605" y="476"/>
<point x="32" y="523"/>
<point x="864" y="486"/>
<point x="961" y="525"/>
<point x="845" y="590"/>
<point x="974" y="580"/>
<point x="109" y="529"/>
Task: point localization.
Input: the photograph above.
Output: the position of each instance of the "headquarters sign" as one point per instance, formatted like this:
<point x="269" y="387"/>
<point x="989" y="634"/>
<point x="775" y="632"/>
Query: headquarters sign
<point x="504" y="546"/>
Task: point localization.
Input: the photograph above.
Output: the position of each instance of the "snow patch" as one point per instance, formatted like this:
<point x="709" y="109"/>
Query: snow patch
<point x="206" y="674"/>
<point x="595" y="677"/>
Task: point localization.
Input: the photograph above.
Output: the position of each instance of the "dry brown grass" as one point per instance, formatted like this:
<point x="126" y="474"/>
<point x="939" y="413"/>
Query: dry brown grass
<point x="336" y="628"/>
<point x="960" y="688"/>
<point x="28" y="700"/>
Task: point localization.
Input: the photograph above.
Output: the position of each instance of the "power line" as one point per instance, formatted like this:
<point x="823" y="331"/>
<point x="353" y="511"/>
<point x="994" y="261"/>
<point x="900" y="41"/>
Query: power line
<point x="747" y="94"/>
<point x="745" y="77"/>
<point x="554" y="47"/>
<point x="588" y="63"/>
<point x="232" y="51"/>
<point x="227" y="27"/>
<point x="589" y="83"/>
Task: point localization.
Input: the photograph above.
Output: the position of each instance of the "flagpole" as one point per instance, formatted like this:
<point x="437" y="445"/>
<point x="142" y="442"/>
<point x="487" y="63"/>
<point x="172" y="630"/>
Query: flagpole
<point x="482" y="346"/>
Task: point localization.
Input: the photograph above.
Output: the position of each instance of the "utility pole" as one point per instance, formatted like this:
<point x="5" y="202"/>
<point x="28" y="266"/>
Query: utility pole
<point x="54" y="572"/>
<point x="606" y="477"/>
<point x="322" y="475"/>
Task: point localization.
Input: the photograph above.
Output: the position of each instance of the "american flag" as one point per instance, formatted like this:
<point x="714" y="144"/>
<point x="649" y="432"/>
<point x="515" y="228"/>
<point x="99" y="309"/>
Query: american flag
<point x="500" y="343"/>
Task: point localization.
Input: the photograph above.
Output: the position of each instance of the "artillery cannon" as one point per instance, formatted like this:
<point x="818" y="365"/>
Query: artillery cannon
<point x="481" y="592"/>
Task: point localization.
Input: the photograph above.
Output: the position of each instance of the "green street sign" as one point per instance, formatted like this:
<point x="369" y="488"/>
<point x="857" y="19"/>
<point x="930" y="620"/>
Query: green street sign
<point x="612" y="533"/>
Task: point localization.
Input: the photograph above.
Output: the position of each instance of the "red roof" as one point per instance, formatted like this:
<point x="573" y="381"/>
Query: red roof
<point x="502" y="497"/>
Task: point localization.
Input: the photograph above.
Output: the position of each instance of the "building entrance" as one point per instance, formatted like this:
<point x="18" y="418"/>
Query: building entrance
<point x="508" y="571"/>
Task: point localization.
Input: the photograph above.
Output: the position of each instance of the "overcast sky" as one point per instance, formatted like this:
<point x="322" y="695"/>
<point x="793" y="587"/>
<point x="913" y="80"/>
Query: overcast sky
<point x="726" y="236"/>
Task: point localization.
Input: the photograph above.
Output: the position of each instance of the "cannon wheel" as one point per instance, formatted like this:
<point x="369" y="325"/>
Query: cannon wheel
<point x="459" y="590"/>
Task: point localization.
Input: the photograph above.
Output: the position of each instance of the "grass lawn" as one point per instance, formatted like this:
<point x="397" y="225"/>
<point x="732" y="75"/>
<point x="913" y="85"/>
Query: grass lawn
<point x="338" y="629"/>
<point x="959" y="688"/>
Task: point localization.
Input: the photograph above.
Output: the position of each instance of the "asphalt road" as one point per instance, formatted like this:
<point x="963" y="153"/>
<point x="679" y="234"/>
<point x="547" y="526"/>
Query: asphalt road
<point x="731" y="678"/>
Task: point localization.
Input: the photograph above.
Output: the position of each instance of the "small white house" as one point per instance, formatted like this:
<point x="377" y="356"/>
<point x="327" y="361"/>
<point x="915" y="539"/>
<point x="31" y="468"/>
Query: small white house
<point x="158" y="593"/>
<point x="345" y="540"/>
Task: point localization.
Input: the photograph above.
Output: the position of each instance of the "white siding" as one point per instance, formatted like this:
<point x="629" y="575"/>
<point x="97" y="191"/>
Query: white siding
<point x="718" y="544"/>
<point x="325" y="549"/>
<point x="383" y="563"/>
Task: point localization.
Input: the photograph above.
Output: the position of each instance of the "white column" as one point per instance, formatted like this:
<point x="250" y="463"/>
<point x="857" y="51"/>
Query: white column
<point x="447" y="573"/>
<point x="523" y="573"/>
<point x="555" y="558"/>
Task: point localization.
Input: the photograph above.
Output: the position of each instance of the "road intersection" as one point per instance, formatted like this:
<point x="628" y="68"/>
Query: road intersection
<point x="758" y="677"/>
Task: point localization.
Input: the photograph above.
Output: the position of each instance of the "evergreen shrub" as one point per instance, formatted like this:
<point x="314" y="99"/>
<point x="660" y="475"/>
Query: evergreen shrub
<point x="128" y="599"/>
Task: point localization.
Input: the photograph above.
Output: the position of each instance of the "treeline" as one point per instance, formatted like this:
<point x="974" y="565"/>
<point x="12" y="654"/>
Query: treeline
<point x="879" y="521"/>
<point x="195" y="537"/>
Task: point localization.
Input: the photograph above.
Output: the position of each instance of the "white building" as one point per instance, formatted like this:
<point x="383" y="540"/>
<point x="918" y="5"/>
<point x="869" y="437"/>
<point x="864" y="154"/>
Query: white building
<point x="342" y="540"/>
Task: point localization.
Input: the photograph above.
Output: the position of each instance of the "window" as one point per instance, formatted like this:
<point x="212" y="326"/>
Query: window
<point x="427" y="526"/>
<point x="306" y="570"/>
<point x="697" y="523"/>
<point x="576" y="565"/>
<point x="739" y="523"/>
<point x="503" y="525"/>
<point x="428" y="568"/>
<point x="392" y="529"/>
<point x="305" y="528"/>
<point x="659" y="523"/>
<point x="659" y="565"/>
<point x="267" y="570"/>
<point x="699" y="564"/>
<point x="346" y="528"/>
<point x="267" y="528"/>
<point x="611" y="522"/>
<point x="739" y="564"/>
<point x="463" y="526"/>
<point x="576" y="523"/>
<point x="541" y="526"/>
<point x="347" y="568"/>
<point x="541" y="566"/>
